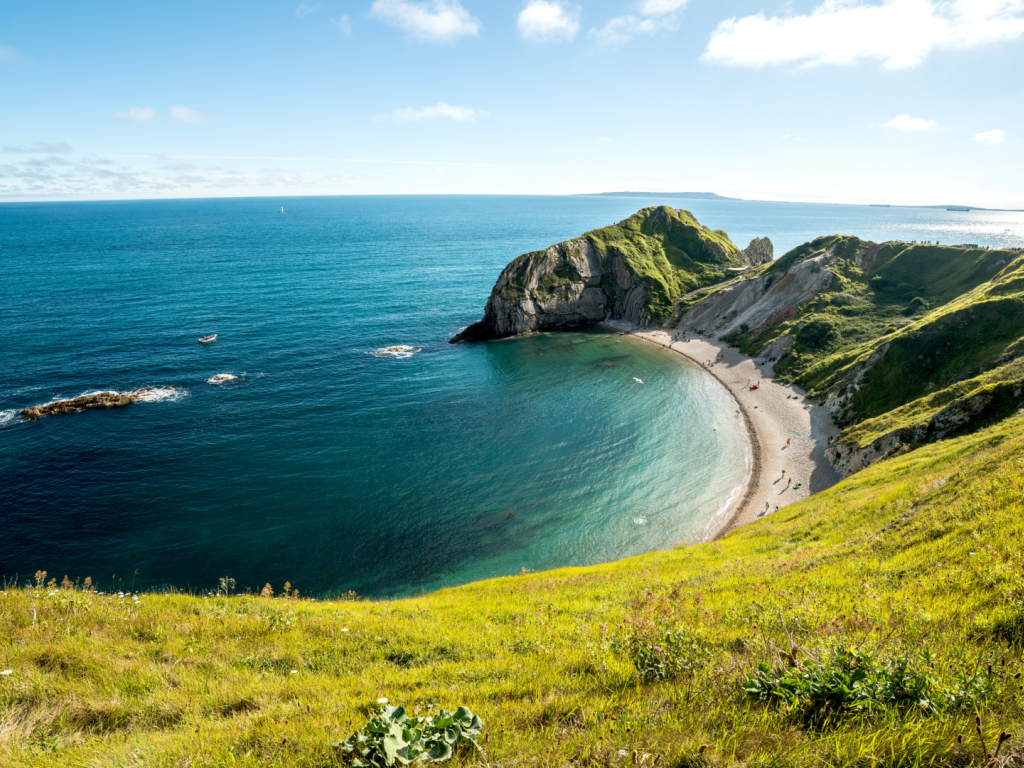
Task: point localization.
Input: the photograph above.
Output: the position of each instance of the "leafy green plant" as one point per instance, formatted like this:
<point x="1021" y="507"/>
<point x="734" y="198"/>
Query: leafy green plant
<point x="671" y="655"/>
<point x="393" y="738"/>
<point x="850" y="682"/>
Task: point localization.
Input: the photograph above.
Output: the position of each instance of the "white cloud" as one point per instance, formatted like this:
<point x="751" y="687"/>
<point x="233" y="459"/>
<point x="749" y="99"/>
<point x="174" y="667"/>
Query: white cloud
<point x="186" y="115"/>
<point x="908" y="123"/>
<point x="138" y="115"/>
<point x="543" y="21"/>
<point x="60" y="148"/>
<point x="651" y="17"/>
<point x="661" y="7"/>
<point x="436" y="21"/>
<point x="991" y="137"/>
<point x="305" y="9"/>
<point x="344" y="25"/>
<point x="897" y="33"/>
<point x="409" y="114"/>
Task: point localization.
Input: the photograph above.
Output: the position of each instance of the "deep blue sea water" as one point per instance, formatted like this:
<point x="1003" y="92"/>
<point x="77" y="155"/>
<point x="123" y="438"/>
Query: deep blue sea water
<point x="327" y="462"/>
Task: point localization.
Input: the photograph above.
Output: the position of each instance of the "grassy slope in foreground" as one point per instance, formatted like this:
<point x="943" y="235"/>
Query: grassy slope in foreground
<point x="916" y="557"/>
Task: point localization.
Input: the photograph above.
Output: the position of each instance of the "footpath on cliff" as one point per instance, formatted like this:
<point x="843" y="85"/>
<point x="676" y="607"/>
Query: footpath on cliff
<point x="785" y="431"/>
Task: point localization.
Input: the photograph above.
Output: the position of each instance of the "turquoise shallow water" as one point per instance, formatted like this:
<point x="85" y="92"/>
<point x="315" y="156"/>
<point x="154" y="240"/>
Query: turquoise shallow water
<point x="326" y="462"/>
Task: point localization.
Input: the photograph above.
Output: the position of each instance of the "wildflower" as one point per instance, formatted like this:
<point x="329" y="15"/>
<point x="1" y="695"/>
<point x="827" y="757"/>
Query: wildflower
<point x="344" y="629"/>
<point x="295" y="672"/>
<point x="657" y="649"/>
<point x="382" y="700"/>
<point x="7" y="672"/>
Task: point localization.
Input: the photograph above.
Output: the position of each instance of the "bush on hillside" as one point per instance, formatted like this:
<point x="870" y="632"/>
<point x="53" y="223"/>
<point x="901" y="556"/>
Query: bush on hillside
<point x="820" y="333"/>
<point x="851" y="682"/>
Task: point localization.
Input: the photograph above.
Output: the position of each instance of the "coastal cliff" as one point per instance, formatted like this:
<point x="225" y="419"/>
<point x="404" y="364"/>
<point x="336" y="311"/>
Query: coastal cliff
<point x="905" y="344"/>
<point x="634" y="271"/>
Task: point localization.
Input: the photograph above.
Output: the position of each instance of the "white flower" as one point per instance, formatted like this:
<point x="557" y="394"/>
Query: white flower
<point x="382" y="700"/>
<point x="344" y="629"/>
<point x="295" y="671"/>
<point x="7" y="672"/>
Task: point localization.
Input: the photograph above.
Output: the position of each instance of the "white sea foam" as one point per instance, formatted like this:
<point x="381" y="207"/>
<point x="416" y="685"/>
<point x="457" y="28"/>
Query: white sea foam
<point x="8" y="417"/>
<point x="161" y="394"/>
<point x="221" y="378"/>
<point x="641" y="520"/>
<point x="399" y="351"/>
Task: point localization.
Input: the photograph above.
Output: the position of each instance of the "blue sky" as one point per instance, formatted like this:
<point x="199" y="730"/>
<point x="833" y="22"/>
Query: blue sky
<point x="901" y="101"/>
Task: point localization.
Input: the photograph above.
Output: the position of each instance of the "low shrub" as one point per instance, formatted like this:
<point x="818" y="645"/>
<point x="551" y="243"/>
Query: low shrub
<point x="849" y="682"/>
<point x="672" y="655"/>
<point x="392" y="738"/>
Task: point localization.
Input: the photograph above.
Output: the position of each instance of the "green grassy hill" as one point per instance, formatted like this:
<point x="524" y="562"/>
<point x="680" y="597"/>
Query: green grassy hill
<point x="903" y="331"/>
<point x="671" y="251"/>
<point x="868" y="625"/>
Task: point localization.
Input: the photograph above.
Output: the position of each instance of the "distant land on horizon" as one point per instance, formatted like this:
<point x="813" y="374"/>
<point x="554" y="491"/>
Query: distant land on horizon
<point x="715" y="196"/>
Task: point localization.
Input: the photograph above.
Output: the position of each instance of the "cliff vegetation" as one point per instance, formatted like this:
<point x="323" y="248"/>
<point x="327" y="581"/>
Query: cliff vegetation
<point x="906" y="343"/>
<point x="636" y="270"/>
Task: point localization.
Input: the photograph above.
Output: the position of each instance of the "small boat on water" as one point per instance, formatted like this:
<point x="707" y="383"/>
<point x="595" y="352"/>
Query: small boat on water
<point x="207" y="339"/>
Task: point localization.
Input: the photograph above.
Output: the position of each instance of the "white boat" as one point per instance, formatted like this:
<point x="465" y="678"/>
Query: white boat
<point x="282" y="209"/>
<point x="207" y="339"/>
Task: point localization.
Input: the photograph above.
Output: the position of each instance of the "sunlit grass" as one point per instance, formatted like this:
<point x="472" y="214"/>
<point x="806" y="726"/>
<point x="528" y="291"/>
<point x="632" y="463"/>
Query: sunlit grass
<point x="916" y="557"/>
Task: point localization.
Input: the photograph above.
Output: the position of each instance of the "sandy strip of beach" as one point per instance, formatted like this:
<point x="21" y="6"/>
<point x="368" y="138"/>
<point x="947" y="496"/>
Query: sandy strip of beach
<point x="785" y="431"/>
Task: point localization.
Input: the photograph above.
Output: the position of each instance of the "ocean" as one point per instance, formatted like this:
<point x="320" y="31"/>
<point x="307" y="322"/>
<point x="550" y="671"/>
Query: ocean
<point x="331" y="460"/>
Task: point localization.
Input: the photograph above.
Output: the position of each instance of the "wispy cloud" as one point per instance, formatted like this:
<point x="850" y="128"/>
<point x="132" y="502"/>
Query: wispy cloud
<point x="179" y="167"/>
<point x="436" y="21"/>
<point x="897" y="33"/>
<point x="544" y="21"/>
<point x="9" y="54"/>
<point x="60" y="148"/>
<point x="651" y="17"/>
<point x="344" y="25"/>
<point x="305" y="9"/>
<point x="186" y="115"/>
<point x="912" y="124"/>
<point x="996" y="136"/>
<point x="138" y="115"/>
<point x="439" y="110"/>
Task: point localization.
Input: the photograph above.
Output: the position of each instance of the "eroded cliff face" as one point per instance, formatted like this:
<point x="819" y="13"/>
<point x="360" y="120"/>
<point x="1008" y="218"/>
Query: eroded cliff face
<point x="567" y="286"/>
<point x="761" y="301"/>
<point x="632" y="271"/>
<point x="760" y="251"/>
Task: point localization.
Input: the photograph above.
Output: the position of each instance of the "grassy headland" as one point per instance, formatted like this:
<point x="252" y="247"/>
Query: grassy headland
<point x="903" y="331"/>
<point x="867" y="625"/>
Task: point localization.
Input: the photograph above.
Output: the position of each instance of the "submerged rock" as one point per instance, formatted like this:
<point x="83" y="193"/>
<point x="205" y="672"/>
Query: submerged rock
<point x="85" y="402"/>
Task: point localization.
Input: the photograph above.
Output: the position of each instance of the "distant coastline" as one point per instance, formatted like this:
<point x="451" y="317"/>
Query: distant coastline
<point x="715" y="196"/>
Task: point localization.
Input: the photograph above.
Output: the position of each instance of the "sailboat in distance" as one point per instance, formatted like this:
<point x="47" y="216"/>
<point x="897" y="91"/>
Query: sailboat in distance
<point x="282" y="209"/>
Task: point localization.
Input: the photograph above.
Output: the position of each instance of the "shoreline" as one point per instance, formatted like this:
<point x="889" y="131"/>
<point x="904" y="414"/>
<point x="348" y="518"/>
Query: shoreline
<point x="786" y="434"/>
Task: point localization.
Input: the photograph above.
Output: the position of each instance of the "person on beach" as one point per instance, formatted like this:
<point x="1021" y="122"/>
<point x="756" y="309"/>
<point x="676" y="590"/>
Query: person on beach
<point x="787" y="441"/>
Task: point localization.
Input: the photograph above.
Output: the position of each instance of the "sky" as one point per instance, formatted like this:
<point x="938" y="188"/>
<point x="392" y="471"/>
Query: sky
<point x="858" y="101"/>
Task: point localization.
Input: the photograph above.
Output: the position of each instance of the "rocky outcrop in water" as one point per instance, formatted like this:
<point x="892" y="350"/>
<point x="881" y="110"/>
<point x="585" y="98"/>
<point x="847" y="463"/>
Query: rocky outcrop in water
<point x="86" y="402"/>
<point x="760" y="251"/>
<point x="633" y="271"/>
